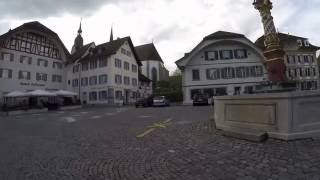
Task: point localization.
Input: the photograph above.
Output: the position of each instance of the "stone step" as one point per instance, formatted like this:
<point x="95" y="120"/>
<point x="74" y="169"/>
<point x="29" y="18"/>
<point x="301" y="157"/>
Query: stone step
<point x="245" y="134"/>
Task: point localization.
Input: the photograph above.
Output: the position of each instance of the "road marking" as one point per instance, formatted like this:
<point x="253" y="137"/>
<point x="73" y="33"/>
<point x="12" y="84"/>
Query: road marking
<point x="154" y="126"/>
<point x="70" y="119"/>
<point x="145" y="133"/>
<point x="95" y="117"/>
<point x="145" y="116"/>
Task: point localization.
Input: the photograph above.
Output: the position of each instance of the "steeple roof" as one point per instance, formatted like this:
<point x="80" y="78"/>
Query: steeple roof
<point x="148" y="52"/>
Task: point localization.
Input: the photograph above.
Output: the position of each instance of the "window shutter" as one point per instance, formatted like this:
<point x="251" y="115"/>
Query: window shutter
<point x="1" y="73"/>
<point x="30" y="60"/>
<point x="10" y="73"/>
<point x="245" y="53"/>
<point x="20" y="74"/>
<point x="221" y="55"/>
<point x="46" y="64"/>
<point x="11" y="57"/>
<point x="206" y="55"/>
<point x="1" y="56"/>
<point x="29" y="75"/>
<point x="231" y="54"/>
<point x="236" y="54"/>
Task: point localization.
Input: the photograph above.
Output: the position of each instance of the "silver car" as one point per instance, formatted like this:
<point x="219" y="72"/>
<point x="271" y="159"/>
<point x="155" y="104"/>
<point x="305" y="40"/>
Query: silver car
<point x="161" y="101"/>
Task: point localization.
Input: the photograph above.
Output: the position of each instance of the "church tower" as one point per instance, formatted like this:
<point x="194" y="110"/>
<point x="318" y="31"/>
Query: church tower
<point x="273" y="53"/>
<point x="78" y="42"/>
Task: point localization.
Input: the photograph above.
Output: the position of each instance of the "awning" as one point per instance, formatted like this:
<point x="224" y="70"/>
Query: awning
<point x="65" y="93"/>
<point x="16" y="94"/>
<point x="41" y="93"/>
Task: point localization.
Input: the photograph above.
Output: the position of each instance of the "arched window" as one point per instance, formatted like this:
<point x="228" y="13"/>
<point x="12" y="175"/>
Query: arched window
<point x="154" y="74"/>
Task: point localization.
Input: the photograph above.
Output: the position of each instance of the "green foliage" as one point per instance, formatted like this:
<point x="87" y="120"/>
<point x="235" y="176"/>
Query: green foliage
<point x="171" y="88"/>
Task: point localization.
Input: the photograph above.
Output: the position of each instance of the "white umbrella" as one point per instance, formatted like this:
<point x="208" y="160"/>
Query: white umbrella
<point x="65" y="93"/>
<point x="16" y="94"/>
<point x="41" y="93"/>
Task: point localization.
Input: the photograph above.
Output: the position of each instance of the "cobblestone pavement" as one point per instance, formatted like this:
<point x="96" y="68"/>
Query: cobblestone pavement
<point x="102" y="144"/>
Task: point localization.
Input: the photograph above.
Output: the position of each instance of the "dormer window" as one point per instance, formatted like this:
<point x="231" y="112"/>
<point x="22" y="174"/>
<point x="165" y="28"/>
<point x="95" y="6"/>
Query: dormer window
<point x="306" y="43"/>
<point x="299" y="41"/>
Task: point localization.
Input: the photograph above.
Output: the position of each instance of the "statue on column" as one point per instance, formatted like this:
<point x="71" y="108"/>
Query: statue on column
<point x="273" y="52"/>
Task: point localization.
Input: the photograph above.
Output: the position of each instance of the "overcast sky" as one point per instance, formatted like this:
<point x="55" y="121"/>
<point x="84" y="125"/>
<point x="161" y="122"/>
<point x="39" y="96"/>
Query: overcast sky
<point x="175" y="26"/>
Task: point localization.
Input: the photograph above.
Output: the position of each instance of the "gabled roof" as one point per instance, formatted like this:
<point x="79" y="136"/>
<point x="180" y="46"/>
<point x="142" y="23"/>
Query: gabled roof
<point x="35" y="25"/>
<point x="111" y="48"/>
<point x="79" y="53"/>
<point x="148" y="52"/>
<point x="143" y="78"/>
<point x="286" y="38"/>
<point x="223" y="35"/>
<point x="214" y="36"/>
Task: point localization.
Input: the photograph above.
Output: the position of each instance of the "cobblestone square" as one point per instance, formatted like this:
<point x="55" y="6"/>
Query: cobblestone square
<point x="146" y="143"/>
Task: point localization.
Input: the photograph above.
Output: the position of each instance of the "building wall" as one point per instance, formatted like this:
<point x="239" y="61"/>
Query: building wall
<point x="147" y="66"/>
<point x="302" y="66"/>
<point x="16" y="84"/>
<point x="111" y="71"/>
<point x="198" y="62"/>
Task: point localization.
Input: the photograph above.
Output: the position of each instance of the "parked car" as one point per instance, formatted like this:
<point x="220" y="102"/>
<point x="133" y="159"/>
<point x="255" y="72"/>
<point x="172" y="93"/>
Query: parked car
<point x="161" y="101"/>
<point x="200" y="99"/>
<point x="144" y="102"/>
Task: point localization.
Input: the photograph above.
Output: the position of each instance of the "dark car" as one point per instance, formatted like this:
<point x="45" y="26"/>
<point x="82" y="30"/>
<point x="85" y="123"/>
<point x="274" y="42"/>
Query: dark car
<point x="144" y="102"/>
<point x="161" y="101"/>
<point x="200" y="99"/>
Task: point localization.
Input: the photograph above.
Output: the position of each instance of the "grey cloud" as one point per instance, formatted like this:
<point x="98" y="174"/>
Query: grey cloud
<point x="46" y="8"/>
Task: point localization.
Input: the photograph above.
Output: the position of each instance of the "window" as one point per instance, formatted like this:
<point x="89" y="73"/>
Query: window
<point x="118" y="94"/>
<point x="134" y="82"/>
<point x="314" y="71"/>
<point x="126" y="66"/>
<point x="103" y="95"/>
<point x="259" y="71"/>
<point x="227" y="73"/>
<point x="117" y="63"/>
<point x="306" y="43"/>
<point x="75" y="82"/>
<point x="57" y="65"/>
<point x="42" y="62"/>
<point x="306" y="59"/>
<point x="118" y="79"/>
<point x="24" y="75"/>
<point x="134" y="68"/>
<point x="123" y="51"/>
<point x="126" y="80"/>
<point x="213" y="74"/>
<point x="299" y="41"/>
<point x="84" y="81"/>
<point x="6" y="56"/>
<point x="75" y="68"/>
<point x="6" y="73"/>
<point x="195" y="75"/>
<point x="93" y="80"/>
<point x="308" y="72"/>
<point x="93" y="64"/>
<point x="211" y="55"/>
<point x="103" y="62"/>
<point x="25" y="60"/>
<point x="92" y="96"/>
<point x="103" y="79"/>
<point x="240" y="53"/>
<point x="56" y="78"/>
<point x="129" y="53"/>
<point x="226" y="54"/>
<point x="85" y="66"/>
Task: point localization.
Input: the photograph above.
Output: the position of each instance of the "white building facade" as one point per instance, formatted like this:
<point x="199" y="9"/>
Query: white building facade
<point x="300" y="58"/>
<point x="31" y="57"/>
<point x="223" y="63"/>
<point x="105" y="74"/>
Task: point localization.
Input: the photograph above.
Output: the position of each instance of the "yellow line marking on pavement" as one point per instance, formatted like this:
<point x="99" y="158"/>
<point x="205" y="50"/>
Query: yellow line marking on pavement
<point x="154" y="126"/>
<point x="145" y="133"/>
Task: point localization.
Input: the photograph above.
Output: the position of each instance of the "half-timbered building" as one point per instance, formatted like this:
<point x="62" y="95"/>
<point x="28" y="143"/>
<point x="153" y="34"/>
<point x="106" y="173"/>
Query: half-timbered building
<point x="31" y="57"/>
